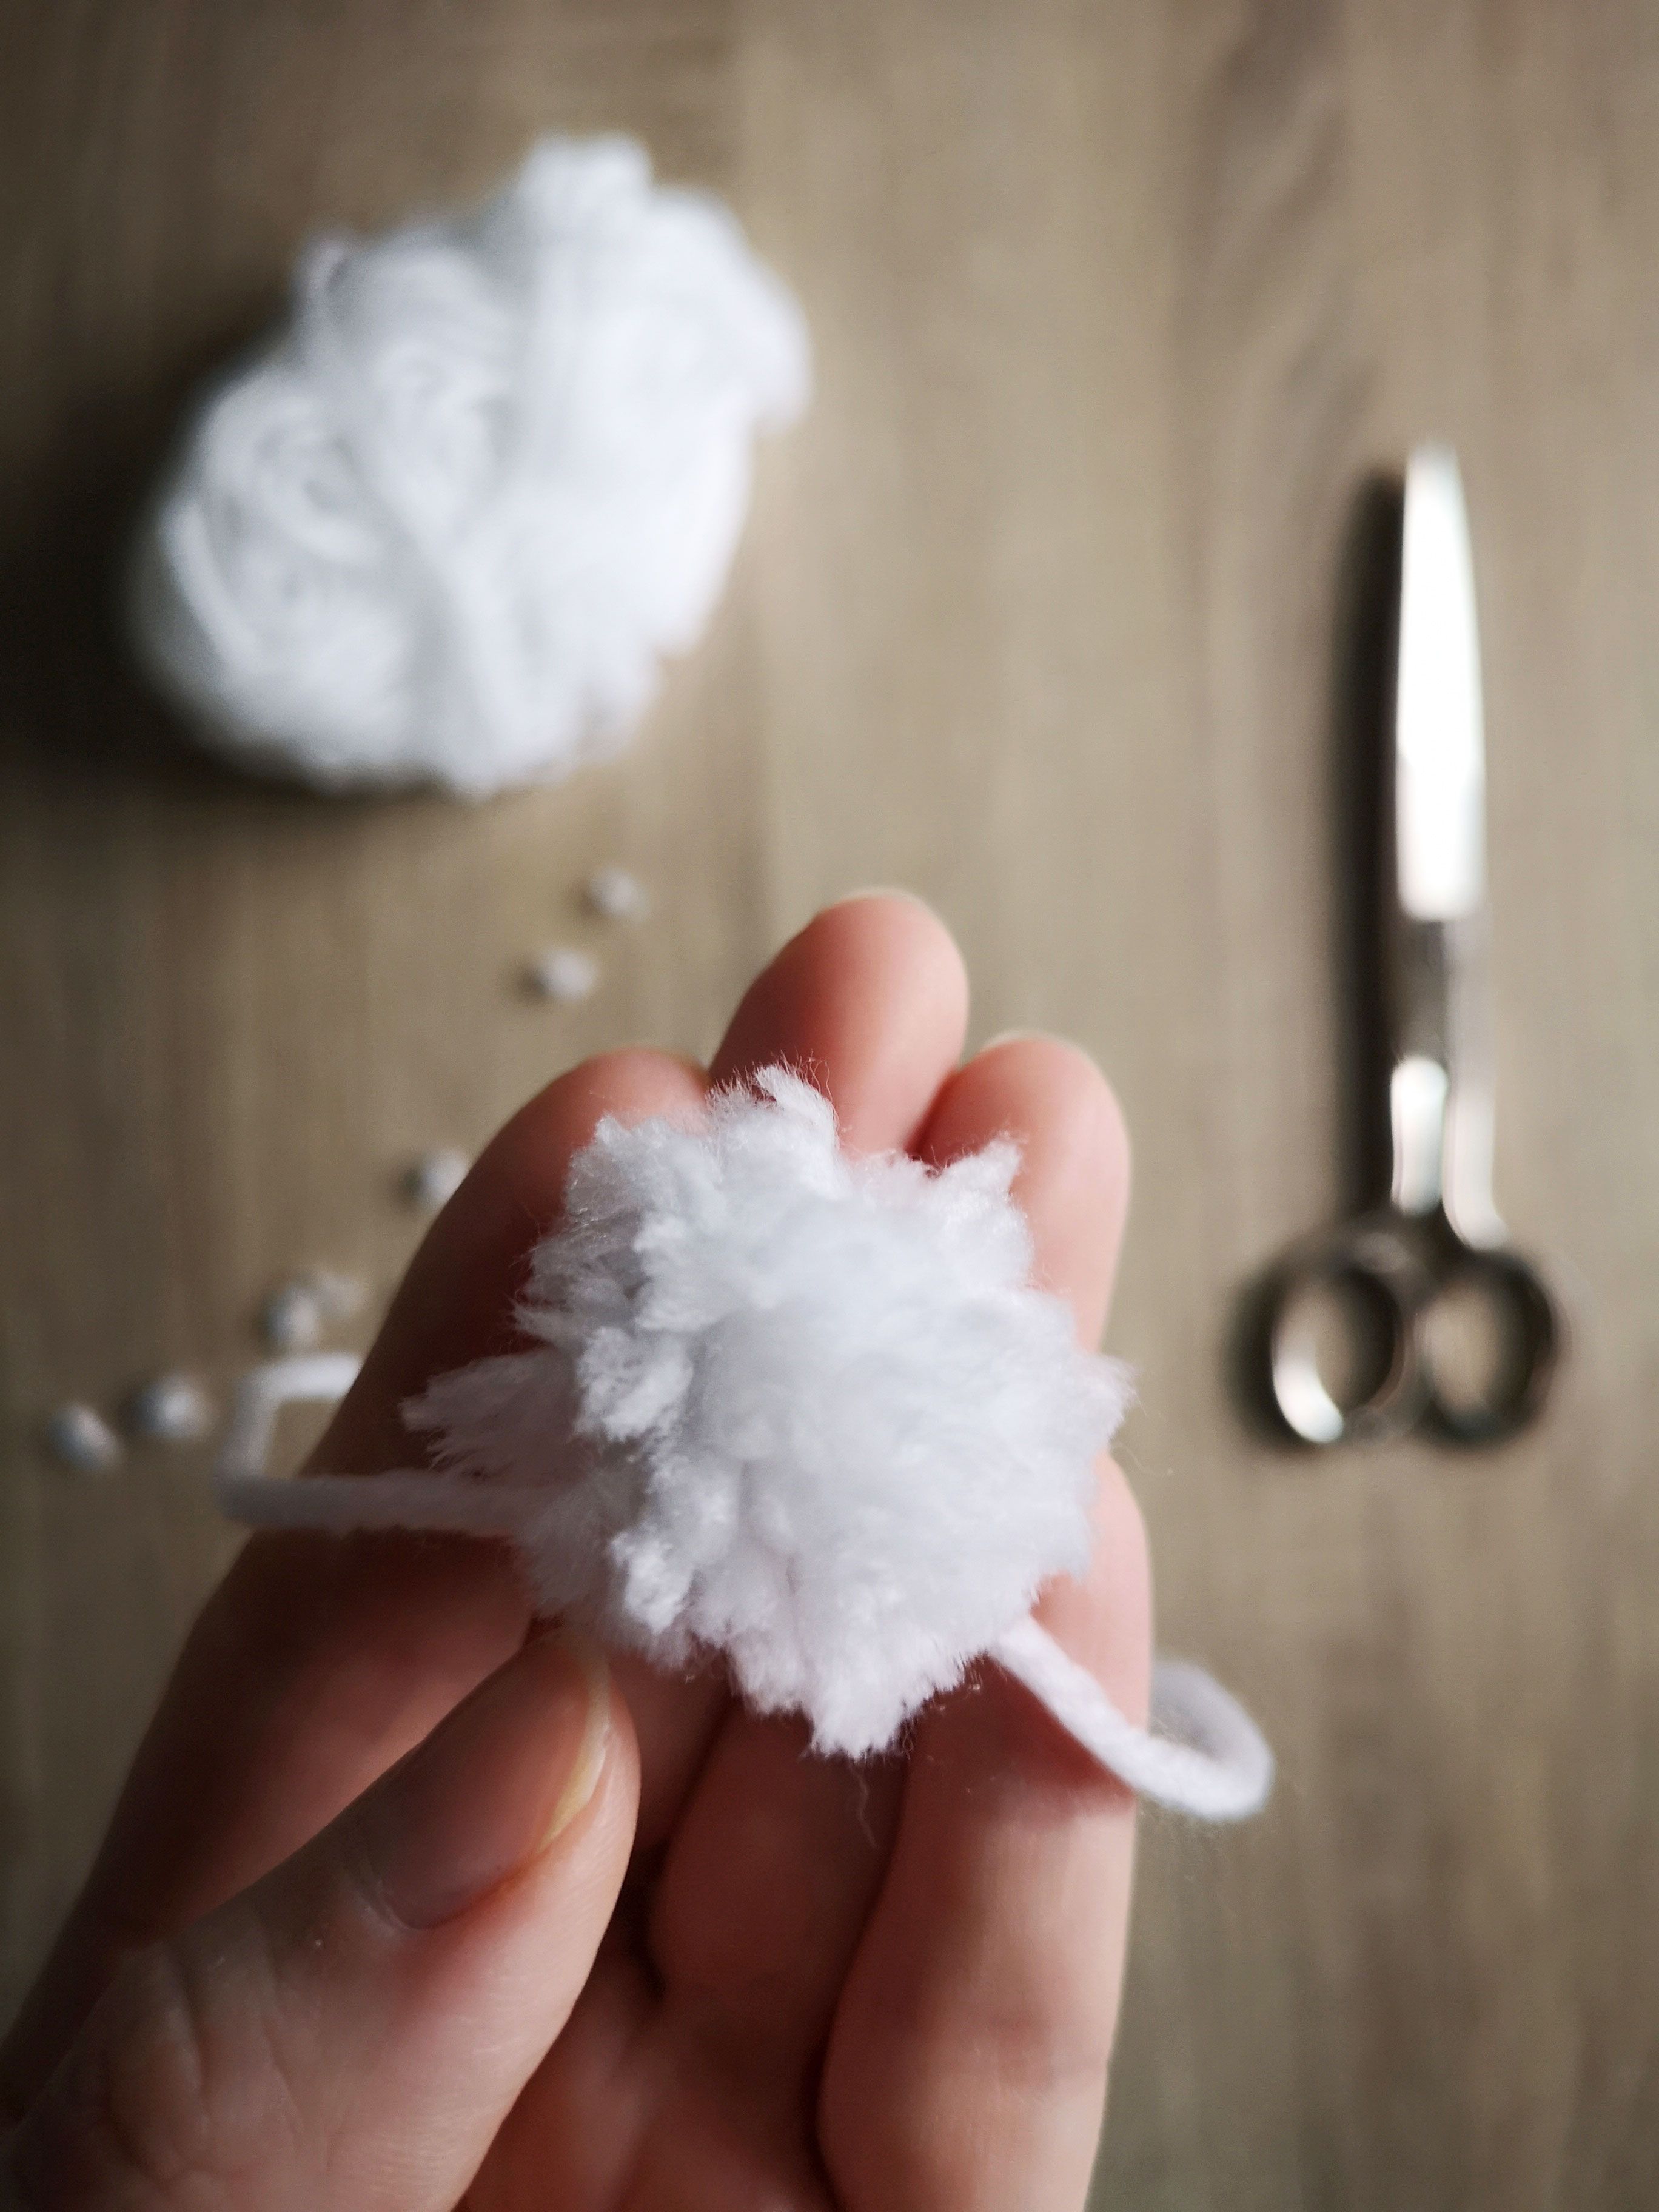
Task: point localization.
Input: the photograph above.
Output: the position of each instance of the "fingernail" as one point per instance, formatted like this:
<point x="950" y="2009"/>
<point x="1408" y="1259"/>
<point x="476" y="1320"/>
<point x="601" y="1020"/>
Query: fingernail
<point x="1041" y="1037"/>
<point x="885" y="891"/>
<point x="494" y="1785"/>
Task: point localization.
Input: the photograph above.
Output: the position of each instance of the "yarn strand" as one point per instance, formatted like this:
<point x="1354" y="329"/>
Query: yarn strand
<point x="1203" y="1753"/>
<point x="342" y="1503"/>
<point x="405" y="1498"/>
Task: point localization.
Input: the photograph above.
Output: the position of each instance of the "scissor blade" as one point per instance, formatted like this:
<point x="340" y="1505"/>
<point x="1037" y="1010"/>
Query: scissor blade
<point x="1439" y="755"/>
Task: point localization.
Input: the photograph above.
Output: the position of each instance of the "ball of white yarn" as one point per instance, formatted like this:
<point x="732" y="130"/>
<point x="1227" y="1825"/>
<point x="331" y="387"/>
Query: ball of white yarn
<point x="824" y="1422"/>
<point x="441" y="527"/>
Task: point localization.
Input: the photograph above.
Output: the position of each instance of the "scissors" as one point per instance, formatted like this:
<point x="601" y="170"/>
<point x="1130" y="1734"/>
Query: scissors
<point x="1437" y="1240"/>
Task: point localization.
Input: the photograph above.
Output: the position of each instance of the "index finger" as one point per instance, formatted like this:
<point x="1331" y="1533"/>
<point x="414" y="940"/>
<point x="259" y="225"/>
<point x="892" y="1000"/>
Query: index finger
<point x="318" y="1662"/>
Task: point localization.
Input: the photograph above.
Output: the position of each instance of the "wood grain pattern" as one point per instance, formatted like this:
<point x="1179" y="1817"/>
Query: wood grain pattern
<point x="1115" y="304"/>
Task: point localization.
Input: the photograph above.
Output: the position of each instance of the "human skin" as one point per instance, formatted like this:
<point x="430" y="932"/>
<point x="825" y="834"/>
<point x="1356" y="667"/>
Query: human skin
<point x="410" y="1902"/>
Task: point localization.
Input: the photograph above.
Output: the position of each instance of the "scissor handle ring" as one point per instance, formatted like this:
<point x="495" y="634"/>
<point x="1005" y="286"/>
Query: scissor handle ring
<point x="1370" y="1254"/>
<point x="1506" y="1282"/>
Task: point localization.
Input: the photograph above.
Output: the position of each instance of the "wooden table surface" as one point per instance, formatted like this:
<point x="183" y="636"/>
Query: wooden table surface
<point x="1114" y="307"/>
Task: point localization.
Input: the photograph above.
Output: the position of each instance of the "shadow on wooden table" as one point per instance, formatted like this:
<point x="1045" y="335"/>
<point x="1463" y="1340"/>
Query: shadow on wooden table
<point x="75" y="707"/>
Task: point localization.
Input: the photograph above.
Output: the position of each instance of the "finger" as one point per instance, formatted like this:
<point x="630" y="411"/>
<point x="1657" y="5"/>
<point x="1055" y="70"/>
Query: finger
<point x="967" y="2064"/>
<point x="318" y="1662"/>
<point x="778" y="1854"/>
<point x="770" y="1872"/>
<point x="456" y="1304"/>
<point x="870" y="1002"/>
<point x="767" y="1887"/>
<point x="683" y="2087"/>
<point x="351" y="2032"/>
<point x="1073" y="1187"/>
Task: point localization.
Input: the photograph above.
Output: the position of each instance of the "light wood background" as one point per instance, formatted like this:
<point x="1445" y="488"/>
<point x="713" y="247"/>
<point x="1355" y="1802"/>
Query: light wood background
<point x="1114" y="304"/>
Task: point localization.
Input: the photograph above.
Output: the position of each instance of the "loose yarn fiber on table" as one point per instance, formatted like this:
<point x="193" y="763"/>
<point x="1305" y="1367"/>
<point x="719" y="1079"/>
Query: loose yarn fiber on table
<point x="798" y="1408"/>
<point x="439" y="529"/>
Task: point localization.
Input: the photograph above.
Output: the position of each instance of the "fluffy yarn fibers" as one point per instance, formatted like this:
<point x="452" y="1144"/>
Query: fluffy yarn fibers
<point x="441" y="527"/>
<point x="802" y="1409"/>
<point x="823" y="1423"/>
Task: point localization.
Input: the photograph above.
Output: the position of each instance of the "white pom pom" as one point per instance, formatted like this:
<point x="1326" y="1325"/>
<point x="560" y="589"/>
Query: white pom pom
<point x="798" y="1408"/>
<point x="440" y="529"/>
<point x="825" y="1425"/>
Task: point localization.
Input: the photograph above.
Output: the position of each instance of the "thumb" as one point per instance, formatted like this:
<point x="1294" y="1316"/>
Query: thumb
<point x="352" y="2031"/>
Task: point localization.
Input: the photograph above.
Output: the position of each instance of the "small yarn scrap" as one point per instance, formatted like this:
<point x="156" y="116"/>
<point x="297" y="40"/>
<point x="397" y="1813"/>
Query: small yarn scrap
<point x="441" y="526"/>
<point x="79" y="1438"/>
<point x="565" y="973"/>
<point x="618" y="894"/>
<point x="798" y="1407"/>
<point x="433" y="1179"/>
<point x="297" y="1312"/>
<point x="172" y="1409"/>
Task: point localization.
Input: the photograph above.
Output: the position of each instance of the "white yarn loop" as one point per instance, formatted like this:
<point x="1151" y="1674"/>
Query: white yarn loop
<point x="441" y="527"/>
<point x="1203" y="1753"/>
<point x="801" y="1408"/>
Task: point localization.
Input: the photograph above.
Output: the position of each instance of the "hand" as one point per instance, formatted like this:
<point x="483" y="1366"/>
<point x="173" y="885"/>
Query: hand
<point x="410" y="1900"/>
